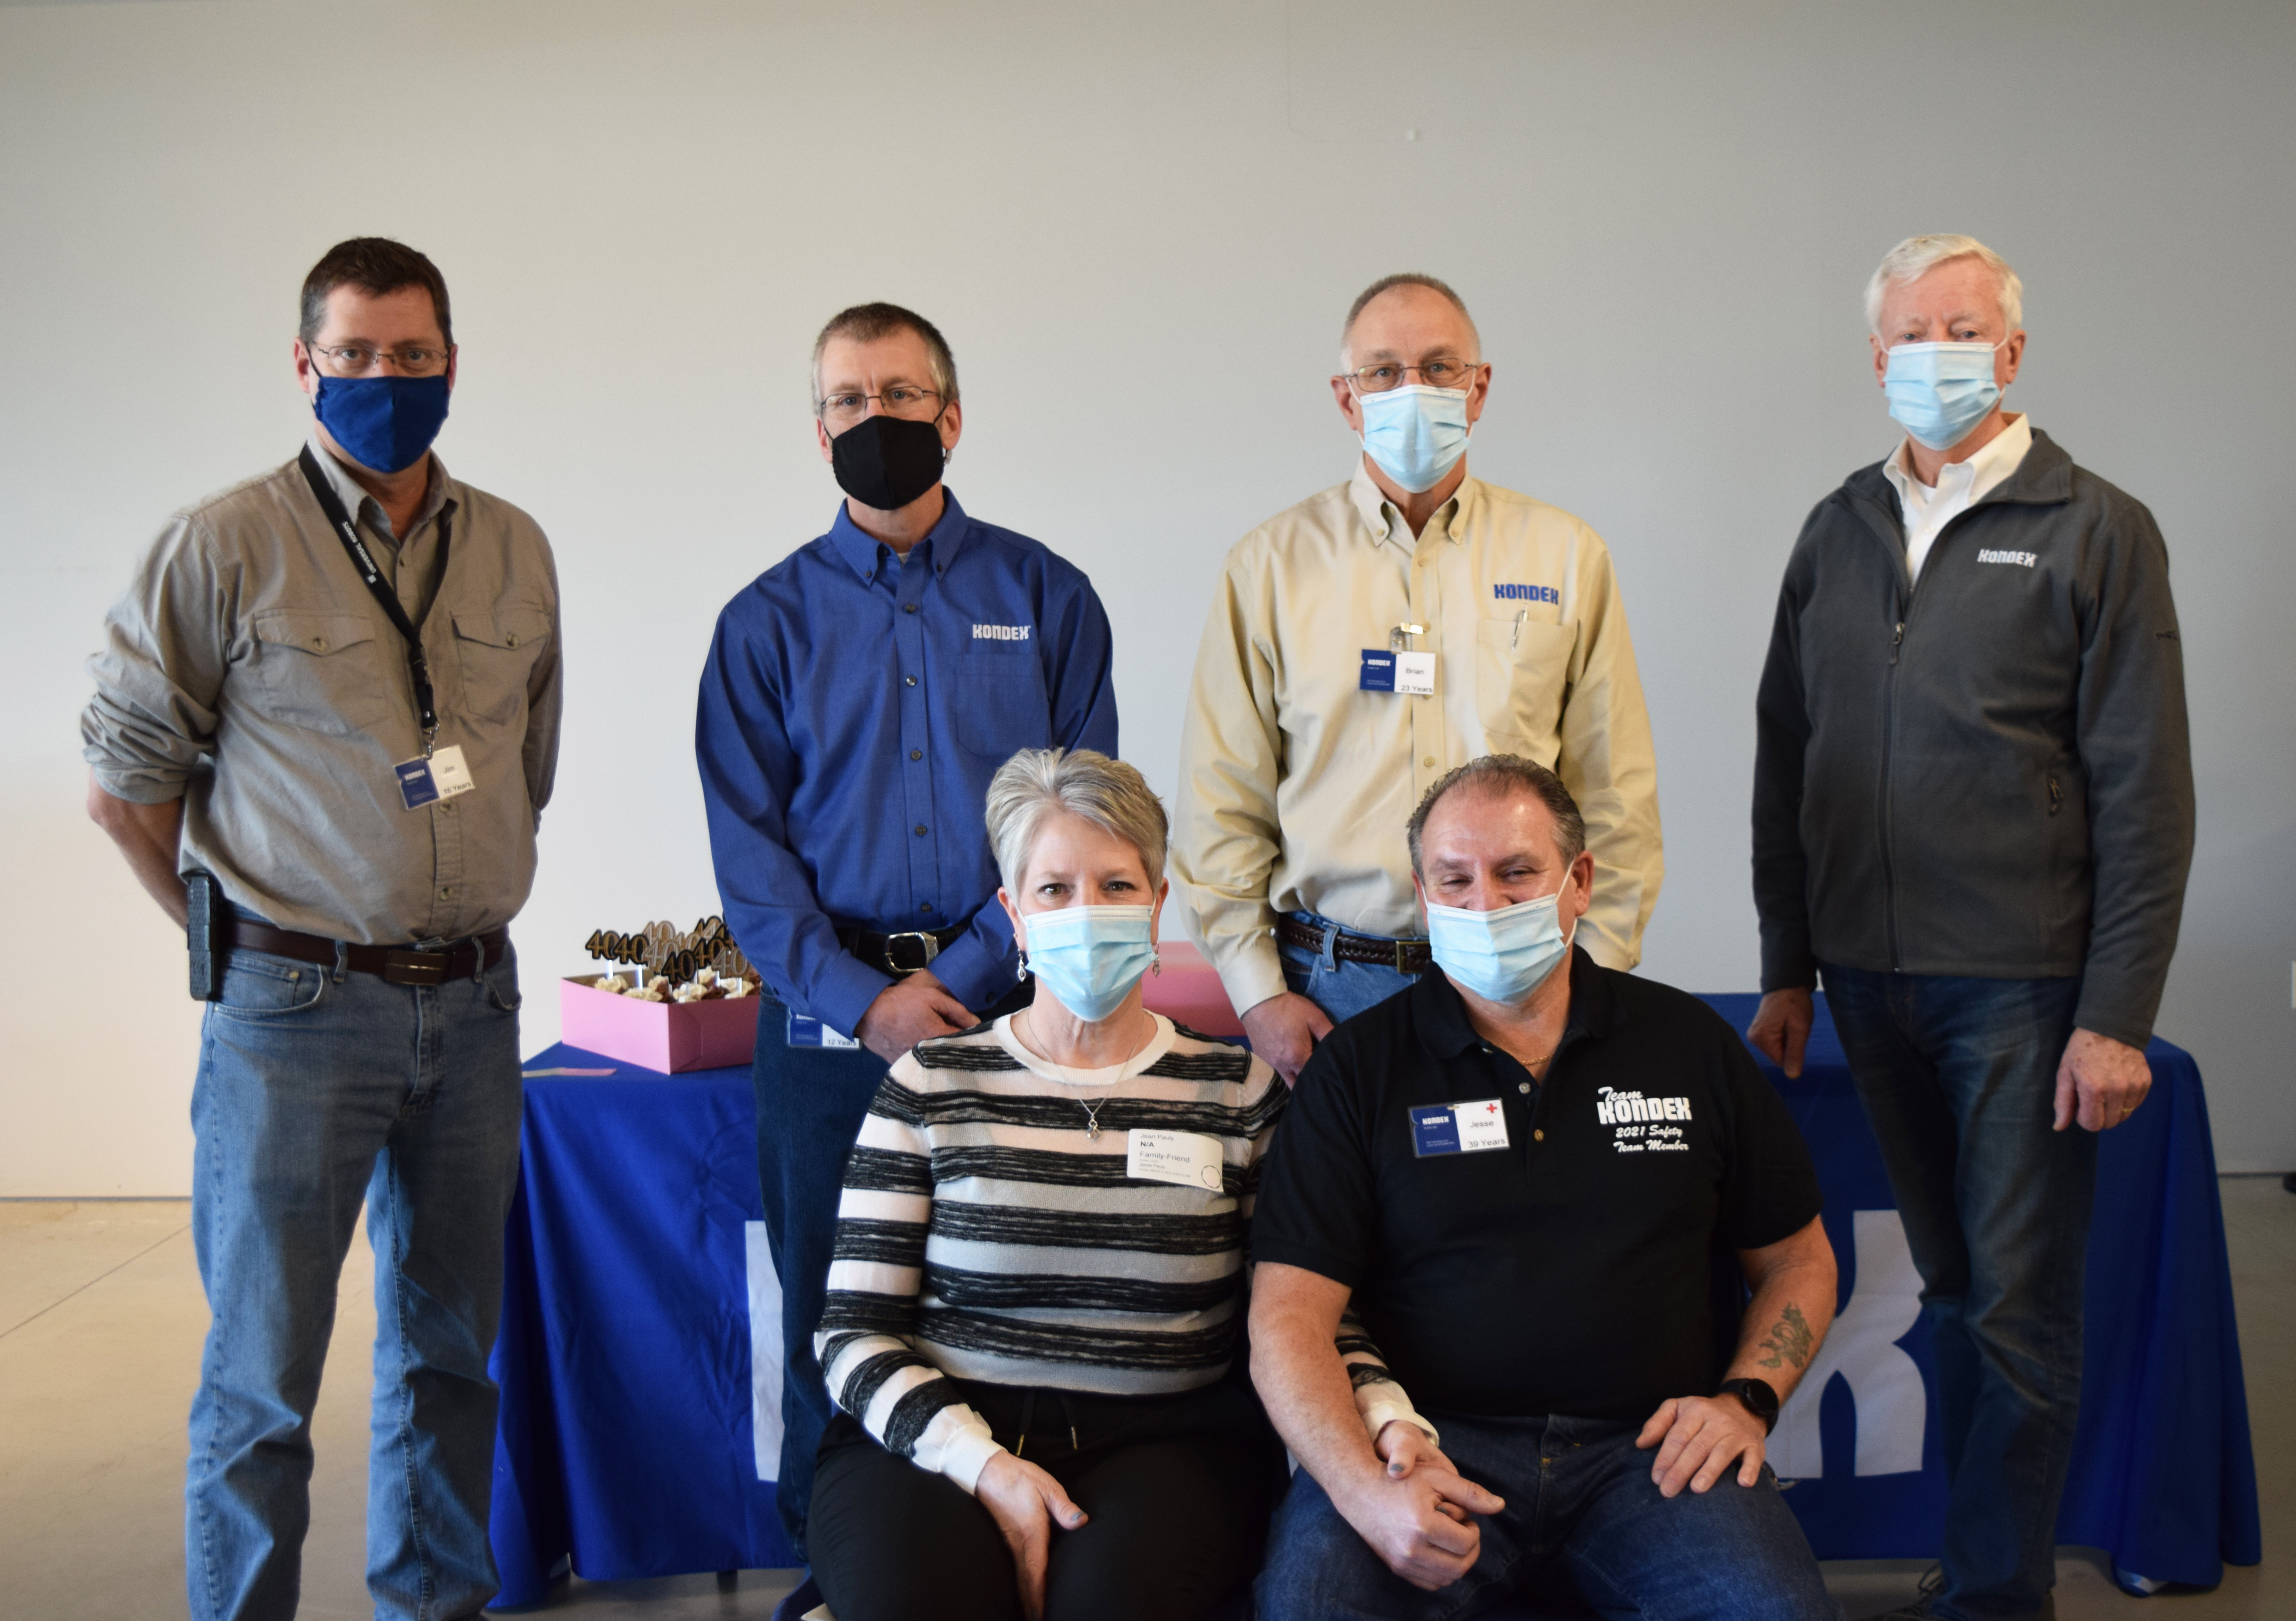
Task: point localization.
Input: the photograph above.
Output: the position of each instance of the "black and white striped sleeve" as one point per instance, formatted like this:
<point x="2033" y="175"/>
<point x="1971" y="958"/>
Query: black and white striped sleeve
<point x="866" y="1343"/>
<point x="1378" y="1398"/>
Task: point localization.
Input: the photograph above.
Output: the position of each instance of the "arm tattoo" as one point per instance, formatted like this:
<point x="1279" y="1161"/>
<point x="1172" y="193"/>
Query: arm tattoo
<point x="1790" y="1340"/>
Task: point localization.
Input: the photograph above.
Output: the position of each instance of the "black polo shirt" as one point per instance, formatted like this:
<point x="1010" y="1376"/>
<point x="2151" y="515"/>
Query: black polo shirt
<point x="1585" y="1268"/>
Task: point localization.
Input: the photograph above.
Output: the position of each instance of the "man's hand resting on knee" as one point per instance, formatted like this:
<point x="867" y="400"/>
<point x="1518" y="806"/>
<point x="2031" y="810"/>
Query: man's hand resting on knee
<point x="1698" y="1438"/>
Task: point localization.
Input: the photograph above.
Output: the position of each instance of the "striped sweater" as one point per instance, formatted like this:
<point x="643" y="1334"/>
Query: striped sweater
<point x="984" y="1233"/>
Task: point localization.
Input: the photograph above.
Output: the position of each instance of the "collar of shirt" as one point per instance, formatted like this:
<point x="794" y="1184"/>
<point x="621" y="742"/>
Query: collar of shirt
<point x="940" y="546"/>
<point x="436" y="498"/>
<point x="1444" y="1029"/>
<point x="1382" y="518"/>
<point x="1969" y="481"/>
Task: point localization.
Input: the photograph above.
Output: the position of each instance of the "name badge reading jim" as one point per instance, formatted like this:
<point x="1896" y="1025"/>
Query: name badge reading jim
<point x="1187" y="1158"/>
<point x="426" y="782"/>
<point x="1458" y="1128"/>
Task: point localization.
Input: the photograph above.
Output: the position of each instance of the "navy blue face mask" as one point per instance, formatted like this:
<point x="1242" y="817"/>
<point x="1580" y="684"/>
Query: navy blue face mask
<point x="383" y="423"/>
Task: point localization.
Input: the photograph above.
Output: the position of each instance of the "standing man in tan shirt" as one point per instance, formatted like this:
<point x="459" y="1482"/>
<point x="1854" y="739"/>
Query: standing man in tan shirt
<point x="1365" y="642"/>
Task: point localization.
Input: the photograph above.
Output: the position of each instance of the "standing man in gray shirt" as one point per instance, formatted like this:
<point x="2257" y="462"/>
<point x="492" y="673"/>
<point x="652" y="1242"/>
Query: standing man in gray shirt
<point x="1973" y="817"/>
<point x="324" y="726"/>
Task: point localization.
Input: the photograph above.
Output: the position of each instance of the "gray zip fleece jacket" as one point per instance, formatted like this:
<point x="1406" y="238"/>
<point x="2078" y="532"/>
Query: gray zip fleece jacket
<point x="1988" y="773"/>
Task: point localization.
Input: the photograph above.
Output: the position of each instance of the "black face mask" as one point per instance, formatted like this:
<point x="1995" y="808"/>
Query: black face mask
<point x="886" y="462"/>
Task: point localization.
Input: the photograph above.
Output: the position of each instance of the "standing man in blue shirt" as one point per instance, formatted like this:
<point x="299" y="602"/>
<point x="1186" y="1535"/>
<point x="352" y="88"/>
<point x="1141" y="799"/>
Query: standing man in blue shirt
<point x="858" y="697"/>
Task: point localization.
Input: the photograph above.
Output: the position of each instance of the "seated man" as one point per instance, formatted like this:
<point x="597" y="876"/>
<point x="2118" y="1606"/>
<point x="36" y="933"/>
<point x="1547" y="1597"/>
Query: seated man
<point x="1529" y="1182"/>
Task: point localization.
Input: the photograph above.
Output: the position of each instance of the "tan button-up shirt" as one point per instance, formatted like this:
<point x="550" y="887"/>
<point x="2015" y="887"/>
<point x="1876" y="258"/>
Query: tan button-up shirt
<point x="248" y="672"/>
<point x="1295" y="785"/>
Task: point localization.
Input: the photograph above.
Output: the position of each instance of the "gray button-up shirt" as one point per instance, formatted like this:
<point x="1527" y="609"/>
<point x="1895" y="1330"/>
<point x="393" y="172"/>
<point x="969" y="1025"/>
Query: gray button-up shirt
<point x="248" y="672"/>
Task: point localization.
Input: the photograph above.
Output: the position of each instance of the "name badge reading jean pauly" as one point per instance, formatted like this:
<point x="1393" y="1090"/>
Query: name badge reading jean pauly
<point x="1188" y="1158"/>
<point x="1458" y="1128"/>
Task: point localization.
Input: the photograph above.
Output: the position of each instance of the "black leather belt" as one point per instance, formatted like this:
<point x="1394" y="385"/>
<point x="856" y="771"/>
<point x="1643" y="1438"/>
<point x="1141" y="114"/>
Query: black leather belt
<point x="1404" y="956"/>
<point x="397" y="965"/>
<point x="904" y="952"/>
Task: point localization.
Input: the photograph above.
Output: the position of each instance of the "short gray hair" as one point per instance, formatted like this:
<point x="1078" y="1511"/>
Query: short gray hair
<point x="1500" y="776"/>
<point x="868" y="323"/>
<point x="1388" y="284"/>
<point x="1918" y="256"/>
<point x="1109" y="794"/>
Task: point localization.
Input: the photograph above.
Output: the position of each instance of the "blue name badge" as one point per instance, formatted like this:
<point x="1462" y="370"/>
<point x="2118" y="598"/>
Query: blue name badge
<point x="805" y="1031"/>
<point x="415" y="784"/>
<point x="1378" y="674"/>
<point x="1435" y="1129"/>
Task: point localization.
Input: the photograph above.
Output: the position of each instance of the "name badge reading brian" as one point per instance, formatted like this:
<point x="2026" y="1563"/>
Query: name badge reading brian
<point x="1187" y="1158"/>
<point x="426" y="782"/>
<point x="1458" y="1128"/>
<point x="1410" y="674"/>
<point x="805" y="1031"/>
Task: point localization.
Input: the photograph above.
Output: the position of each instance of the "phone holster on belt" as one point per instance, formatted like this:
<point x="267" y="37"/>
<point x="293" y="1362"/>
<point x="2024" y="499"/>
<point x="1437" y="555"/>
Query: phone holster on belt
<point x="202" y="933"/>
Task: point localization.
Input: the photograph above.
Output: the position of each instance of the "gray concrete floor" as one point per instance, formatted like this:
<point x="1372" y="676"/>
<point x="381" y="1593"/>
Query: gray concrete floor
<point x="101" y="1318"/>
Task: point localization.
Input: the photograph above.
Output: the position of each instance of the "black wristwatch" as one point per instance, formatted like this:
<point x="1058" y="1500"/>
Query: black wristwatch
<point x="1760" y="1400"/>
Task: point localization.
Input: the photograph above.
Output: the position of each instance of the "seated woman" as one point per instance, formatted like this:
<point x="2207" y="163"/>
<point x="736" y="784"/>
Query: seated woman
<point x="1036" y="1301"/>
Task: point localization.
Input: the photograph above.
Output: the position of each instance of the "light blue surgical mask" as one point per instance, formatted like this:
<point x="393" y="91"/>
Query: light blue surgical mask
<point x="1939" y="392"/>
<point x="1502" y="955"/>
<point x="1090" y="957"/>
<point x="1415" y="434"/>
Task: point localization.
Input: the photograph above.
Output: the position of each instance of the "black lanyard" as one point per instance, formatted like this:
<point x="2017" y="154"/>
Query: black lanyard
<point x="363" y="561"/>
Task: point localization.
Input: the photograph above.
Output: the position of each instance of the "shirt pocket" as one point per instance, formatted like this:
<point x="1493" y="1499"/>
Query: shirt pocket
<point x="1520" y="669"/>
<point x="323" y="670"/>
<point x="499" y="646"/>
<point x="1000" y="704"/>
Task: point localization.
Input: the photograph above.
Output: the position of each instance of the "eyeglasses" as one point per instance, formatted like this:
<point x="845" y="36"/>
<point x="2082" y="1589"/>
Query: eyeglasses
<point x="902" y="399"/>
<point x="1436" y="375"/>
<point x="357" y="359"/>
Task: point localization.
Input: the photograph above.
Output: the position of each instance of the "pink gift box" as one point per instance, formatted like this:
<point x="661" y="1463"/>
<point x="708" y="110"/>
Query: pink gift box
<point x="671" y="1037"/>
<point x="1188" y="991"/>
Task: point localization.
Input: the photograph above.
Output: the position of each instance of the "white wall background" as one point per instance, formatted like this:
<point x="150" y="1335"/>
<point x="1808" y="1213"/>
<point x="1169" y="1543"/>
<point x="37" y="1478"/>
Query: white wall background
<point x="1139" y="226"/>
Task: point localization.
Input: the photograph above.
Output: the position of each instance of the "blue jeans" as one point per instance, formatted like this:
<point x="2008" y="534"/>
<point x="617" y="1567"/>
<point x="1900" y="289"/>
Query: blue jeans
<point x="1958" y="1076"/>
<point x="811" y="1101"/>
<point x="1341" y="989"/>
<point x="1580" y="1506"/>
<point x="316" y="1093"/>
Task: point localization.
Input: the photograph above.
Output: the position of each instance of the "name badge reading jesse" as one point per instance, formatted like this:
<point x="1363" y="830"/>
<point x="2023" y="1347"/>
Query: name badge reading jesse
<point x="1188" y="1158"/>
<point x="443" y="775"/>
<point x="1410" y="674"/>
<point x="1458" y="1128"/>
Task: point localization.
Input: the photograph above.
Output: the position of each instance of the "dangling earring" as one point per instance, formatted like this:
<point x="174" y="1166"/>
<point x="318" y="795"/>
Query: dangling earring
<point x="1156" y="964"/>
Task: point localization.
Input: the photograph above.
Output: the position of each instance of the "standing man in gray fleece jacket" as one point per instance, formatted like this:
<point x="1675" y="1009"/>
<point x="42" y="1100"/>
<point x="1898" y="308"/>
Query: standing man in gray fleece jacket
<point x="1973" y="818"/>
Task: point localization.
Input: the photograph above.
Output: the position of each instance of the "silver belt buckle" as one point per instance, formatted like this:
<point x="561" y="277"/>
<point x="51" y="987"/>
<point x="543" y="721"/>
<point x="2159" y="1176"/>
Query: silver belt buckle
<point x="931" y="947"/>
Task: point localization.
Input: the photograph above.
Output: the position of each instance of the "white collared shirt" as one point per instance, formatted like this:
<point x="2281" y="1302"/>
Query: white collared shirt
<point x="1960" y="486"/>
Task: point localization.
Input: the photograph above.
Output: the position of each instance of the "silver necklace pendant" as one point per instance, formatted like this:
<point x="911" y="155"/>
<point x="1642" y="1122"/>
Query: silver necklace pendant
<point x="1092" y="1119"/>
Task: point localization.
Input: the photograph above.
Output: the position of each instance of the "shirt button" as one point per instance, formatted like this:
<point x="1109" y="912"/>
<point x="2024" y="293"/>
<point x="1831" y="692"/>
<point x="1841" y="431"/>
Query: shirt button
<point x="1429" y="761"/>
<point x="446" y="893"/>
<point x="908" y="680"/>
<point x="319" y="643"/>
<point x="1539" y="1137"/>
<point x="920" y="830"/>
<point x="1524" y="1086"/>
<point x="916" y="754"/>
<point x="925" y="907"/>
<point x="908" y="607"/>
<point x="512" y="638"/>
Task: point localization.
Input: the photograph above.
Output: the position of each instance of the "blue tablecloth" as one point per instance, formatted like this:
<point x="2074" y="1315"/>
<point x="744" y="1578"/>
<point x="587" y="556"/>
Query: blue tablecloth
<point x="640" y="1357"/>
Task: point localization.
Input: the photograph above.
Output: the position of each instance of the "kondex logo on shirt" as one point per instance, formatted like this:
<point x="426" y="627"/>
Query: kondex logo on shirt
<point x="1643" y="1124"/>
<point x="1002" y="633"/>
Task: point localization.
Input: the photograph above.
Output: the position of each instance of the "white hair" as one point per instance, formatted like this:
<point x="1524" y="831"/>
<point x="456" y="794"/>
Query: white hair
<point x="1110" y="793"/>
<point x="1918" y="256"/>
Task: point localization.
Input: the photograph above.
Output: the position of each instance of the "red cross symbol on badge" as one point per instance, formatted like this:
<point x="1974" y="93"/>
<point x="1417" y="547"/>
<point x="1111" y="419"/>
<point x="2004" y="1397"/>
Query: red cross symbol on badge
<point x="1491" y="1108"/>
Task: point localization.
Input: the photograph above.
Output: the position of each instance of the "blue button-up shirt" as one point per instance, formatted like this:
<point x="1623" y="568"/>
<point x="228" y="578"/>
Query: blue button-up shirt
<point x="854" y="705"/>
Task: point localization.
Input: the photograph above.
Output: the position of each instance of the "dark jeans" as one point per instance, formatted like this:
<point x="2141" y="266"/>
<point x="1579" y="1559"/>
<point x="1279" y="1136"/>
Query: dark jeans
<point x="1341" y="989"/>
<point x="1958" y="1076"/>
<point x="810" y="1104"/>
<point x="316" y="1095"/>
<point x="1579" y="1503"/>
<point x="1178" y="1489"/>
